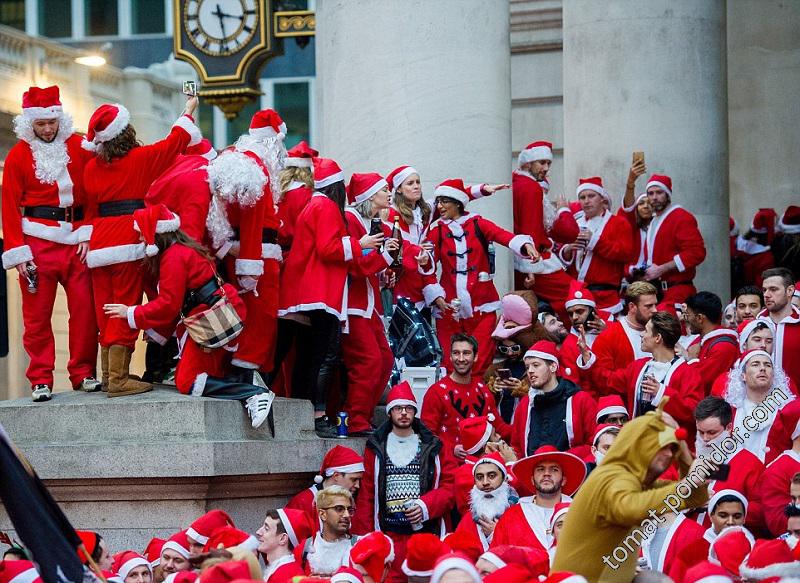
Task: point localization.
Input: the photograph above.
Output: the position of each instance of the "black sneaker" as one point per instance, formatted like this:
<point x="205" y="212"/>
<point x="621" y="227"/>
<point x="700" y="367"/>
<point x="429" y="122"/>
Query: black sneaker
<point x="324" y="428"/>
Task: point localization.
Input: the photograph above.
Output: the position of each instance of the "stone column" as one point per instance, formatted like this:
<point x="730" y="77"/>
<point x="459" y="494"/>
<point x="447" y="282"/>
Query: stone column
<point x="652" y="76"/>
<point x="419" y="82"/>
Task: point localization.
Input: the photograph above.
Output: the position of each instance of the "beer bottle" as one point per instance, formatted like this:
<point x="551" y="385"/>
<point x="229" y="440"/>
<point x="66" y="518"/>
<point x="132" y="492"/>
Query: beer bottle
<point x="397" y="256"/>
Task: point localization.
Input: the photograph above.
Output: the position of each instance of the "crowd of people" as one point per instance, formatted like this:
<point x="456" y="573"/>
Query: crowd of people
<point x="571" y="411"/>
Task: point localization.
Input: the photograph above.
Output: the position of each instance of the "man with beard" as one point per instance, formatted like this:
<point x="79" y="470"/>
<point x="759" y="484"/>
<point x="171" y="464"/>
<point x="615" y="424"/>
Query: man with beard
<point x="582" y="311"/>
<point x="779" y="287"/>
<point x="490" y="496"/>
<point x="175" y="554"/>
<point x="555" y="476"/>
<point x="46" y="239"/>
<point x="749" y="301"/>
<point x="717" y="348"/>
<point x="554" y="326"/>
<point x="329" y="549"/>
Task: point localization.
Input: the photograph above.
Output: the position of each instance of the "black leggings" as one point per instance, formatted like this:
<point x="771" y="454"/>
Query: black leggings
<point x="317" y="359"/>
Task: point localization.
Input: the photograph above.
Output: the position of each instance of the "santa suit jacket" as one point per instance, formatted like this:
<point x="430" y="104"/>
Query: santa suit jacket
<point x="673" y="235"/>
<point x="292" y="203"/>
<point x="183" y="189"/>
<point x="787" y="343"/>
<point x="420" y="288"/>
<point x="520" y="524"/>
<point x="21" y="188"/>
<point x="306" y="500"/>
<point x="437" y="470"/>
<point x="719" y="350"/>
<point x="315" y="274"/>
<point x="114" y="240"/>
<point x="775" y="483"/>
<point x="681" y="534"/>
<point x="618" y="345"/>
<point x="568" y="360"/>
<point x="284" y="570"/>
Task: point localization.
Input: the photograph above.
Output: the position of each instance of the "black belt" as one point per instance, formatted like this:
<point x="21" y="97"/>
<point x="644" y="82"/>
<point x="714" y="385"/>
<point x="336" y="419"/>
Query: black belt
<point x="665" y="285"/>
<point x="119" y="208"/>
<point x="54" y="213"/>
<point x="205" y="294"/>
<point x="267" y="235"/>
<point x="602" y="287"/>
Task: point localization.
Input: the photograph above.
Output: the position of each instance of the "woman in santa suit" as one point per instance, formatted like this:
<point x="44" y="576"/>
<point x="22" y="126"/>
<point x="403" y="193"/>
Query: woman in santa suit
<point x="187" y="284"/>
<point x="297" y="186"/>
<point x="460" y="241"/>
<point x="116" y="182"/>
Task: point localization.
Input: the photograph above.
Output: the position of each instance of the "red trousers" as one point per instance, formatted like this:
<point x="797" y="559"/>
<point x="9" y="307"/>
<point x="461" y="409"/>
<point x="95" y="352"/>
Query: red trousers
<point x="121" y="283"/>
<point x="58" y="264"/>
<point x="481" y="326"/>
<point x="257" y="341"/>
<point x="369" y="361"/>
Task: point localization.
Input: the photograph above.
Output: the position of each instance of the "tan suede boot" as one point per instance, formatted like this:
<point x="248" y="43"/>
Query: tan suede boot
<point x="119" y="383"/>
<point x="104" y="367"/>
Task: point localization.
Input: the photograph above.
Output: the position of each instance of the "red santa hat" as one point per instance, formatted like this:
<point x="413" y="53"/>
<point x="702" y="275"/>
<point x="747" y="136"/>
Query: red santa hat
<point x="127" y="561"/>
<point x="491" y="458"/>
<point x="559" y="510"/>
<point x="202" y="148"/>
<point x="399" y="175"/>
<point x="790" y="221"/>
<point x="601" y="429"/>
<point x="747" y="327"/>
<point x="326" y="172"/>
<point x="712" y="503"/>
<point x="339" y="459"/>
<point x="90" y="540"/>
<point x="296" y="524"/>
<point x="706" y="572"/>
<point x="475" y="432"/>
<point x="364" y="186"/>
<point x="300" y="156"/>
<point x="764" y="222"/>
<point x="572" y="467"/>
<point x="202" y="528"/>
<point x="179" y="543"/>
<point x="768" y="559"/>
<point x="107" y="122"/>
<point x="465" y="542"/>
<point x="731" y="547"/>
<point x="401" y="394"/>
<point x="422" y="552"/>
<point x="451" y="561"/>
<point x="151" y="220"/>
<point x="153" y="551"/>
<point x="514" y="309"/>
<point x="372" y="553"/>
<point x="536" y="151"/>
<point x="42" y="103"/>
<point x="751" y="354"/>
<point x="733" y="228"/>
<point x="182" y="577"/>
<point x="111" y="576"/>
<point x="564" y="577"/>
<point x="267" y="124"/>
<point x="20" y="571"/>
<point x="595" y="184"/>
<point x="544" y="349"/>
<point x="610" y="405"/>
<point x="578" y="295"/>
<point x="535" y="561"/>
<point x="453" y="188"/>
<point x="661" y="181"/>
<point x="227" y="572"/>
<point x="347" y="575"/>
<point x="230" y="536"/>
<point x="512" y="573"/>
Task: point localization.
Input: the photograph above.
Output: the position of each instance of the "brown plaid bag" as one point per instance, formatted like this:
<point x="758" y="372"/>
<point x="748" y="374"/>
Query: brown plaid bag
<point x="215" y="326"/>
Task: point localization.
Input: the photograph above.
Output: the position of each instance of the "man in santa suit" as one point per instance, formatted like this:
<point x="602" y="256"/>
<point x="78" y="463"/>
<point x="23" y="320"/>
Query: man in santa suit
<point x="553" y="476"/>
<point x="753" y="334"/>
<point x="373" y="556"/>
<point x="611" y="410"/>
<point x="581" y="308"/>
<point x="779" y="287"/>
<point x="754" y="246"/>
<point x="603" y="248"/>
<point x="46" y="239"/>
<point x="535" y="216"/>
<point x="716" y="348"/>
<point x="556" y="411"/>
<point x="328" y="549"/>
<point x="674" y="535"/>
<point x="776" y="485"/>
<point x="280" y="534"/>
<point x="341" y="466"/>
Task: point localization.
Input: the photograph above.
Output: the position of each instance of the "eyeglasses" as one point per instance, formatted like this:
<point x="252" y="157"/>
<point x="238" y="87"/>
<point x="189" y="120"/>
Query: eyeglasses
<point x="404" y="408"/>
<point x="513" y="349"/>
<point x="340" y="508"/>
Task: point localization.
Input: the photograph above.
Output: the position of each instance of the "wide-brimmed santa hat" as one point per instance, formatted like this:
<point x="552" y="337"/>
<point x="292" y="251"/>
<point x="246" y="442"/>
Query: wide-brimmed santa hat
<point x="706" y="572"/>
<point x="595" y="184"/>
<point x="364" y="186"/>
<point x="267" y="124"/>
<point x="153" y="551"/>
<point x="90" y="540"/>
<point x="203" y="148"/>
<point x="296" y="524"/>
<point x="712" y="503"/>
<point x="610" y="405"/>
<point x="454" y="561"/>
<point x="179" y="543"/>
<point x="559" y="510"/>
<point x="564" y="577"/>
<point x="339" y="459"/>
<point x="768" y="559"/>
<point x="578" y="295"/>
<point x="107" y="122"/>
<point x="20" y="571"/>
<point x="300" y="156"/>
<point x="422" y="552"/>
<point x="399" y="175"/>
<point x="536" y="151"/>
<point x="544" y="349"/>
<point x="602" y="429"/>
<point x="42" y="103"/>
<point x="227" y="572"/>
<point x="493" y="458"/>
<point x="401" y="394"/>
<point x="747" y="327"/>
<point x="572" y="467"/>
<point x="790" y="221"/>
<point x="475" y="432"/>
<point x="730" y="548"/>
<point x="230" y="536"/>
<point x="347" y="575"/>
<point x="127" y="561"/>
<point x="372" y="553"/>
<point x="326" y="172"/>
<point x="514" y="310"/>
<point x="151" y="220"/>
<point x="202" y="528"/>
<point x="661" y="181"/>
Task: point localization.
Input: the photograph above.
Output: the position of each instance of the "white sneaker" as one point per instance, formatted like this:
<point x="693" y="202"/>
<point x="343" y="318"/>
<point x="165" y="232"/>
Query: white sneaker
<point x="41" y="393"/>
<point x="258" y="407"/>
<point x="90" y="385"/>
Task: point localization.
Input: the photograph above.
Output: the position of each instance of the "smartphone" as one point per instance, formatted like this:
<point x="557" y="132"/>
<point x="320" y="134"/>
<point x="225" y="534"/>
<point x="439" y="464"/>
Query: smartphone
<point x="504" y="373"/>
<point x="638" y="157"/>
<point x="721" y="473"/>
<point x="190" y="88"/>
<point x="591" y="316"/>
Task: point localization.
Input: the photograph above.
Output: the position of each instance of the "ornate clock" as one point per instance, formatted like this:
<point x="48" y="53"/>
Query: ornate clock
<point x="221" y="27"/>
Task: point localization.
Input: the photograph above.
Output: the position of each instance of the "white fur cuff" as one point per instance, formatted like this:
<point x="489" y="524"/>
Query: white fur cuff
<point x="679" y="264"/>
<point x="17" y="255"/>
<point x="249" y="267"/>
<point x="84" y="233"/>
<point x="188" y="126"/>
<point x="431" y="292"/>
<point x="271" y="251"/>
<point x="131" y="317"/>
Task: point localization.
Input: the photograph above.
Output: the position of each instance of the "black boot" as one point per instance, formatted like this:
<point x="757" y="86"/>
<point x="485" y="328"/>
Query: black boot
<point x="153" y="363"/>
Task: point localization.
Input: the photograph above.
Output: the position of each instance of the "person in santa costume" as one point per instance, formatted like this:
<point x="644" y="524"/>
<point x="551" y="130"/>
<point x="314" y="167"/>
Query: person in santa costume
<point x="188" y="284"/>
<point x="461" y="245"/>
<point x="202" y="528"/>
<point x="676" y="535"/>
<point x="45" y="235"/>
<point x="611" y="411"/>
<point x="116" y="182"/>
<point x="776" y="483"/>
<point x="603" y="248"/>
<point x="604" y="436"/>
<point x="373" y="556"/>
<point x="556" y="411"/>
<point x="754" y="247"/>
<point x="581" y="308"/>
<point x="408" y="482"/>
<point x="637" y="211"/>
<point x="341" y="466"/>
<point x="328" y="549"/>
<point x="297" y="186"/>
<point x="132" y="567"/>
<point x="560" y="511"/>
<point x="779" y="287"/>
<point x="175" y="554"/>
<point x="785" y="245"/>
<point x="423" y="551"/>
<point x="770" y="561"/>
<point x="455" y="567"/>
<point x="554" y="476"/>
<point x="535" y="216"/>
<point x="281" y="533"/>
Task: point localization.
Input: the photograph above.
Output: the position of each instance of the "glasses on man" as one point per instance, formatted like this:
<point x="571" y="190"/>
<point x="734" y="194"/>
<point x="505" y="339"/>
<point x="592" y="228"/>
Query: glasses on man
<point x="340" y="509"/>
<point x="513" y="349"/>
<point x="404" y="408"/>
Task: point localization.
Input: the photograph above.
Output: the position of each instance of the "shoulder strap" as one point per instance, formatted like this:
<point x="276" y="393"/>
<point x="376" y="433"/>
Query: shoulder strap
<point x="722" y="338"/>
<point x="481" y="237"/>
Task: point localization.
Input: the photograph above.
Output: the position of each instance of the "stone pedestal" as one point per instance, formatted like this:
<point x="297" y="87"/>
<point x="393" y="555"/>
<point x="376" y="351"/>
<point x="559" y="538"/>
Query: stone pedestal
<point x="147" y="465"/>
<point x="419" y="82"/>
<point x="652" y="76"/>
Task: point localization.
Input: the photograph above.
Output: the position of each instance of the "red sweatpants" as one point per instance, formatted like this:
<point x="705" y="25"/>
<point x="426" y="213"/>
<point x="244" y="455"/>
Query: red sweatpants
<point x="369" y="361"/>
<point x="481" y="326"/>
<point x="58" y="264"/>
<point x="257" y="341"/>
<point x="121" y="283"/>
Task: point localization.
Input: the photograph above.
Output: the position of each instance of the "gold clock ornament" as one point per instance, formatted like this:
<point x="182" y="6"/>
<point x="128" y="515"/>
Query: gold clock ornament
<point x="220" y="27"/>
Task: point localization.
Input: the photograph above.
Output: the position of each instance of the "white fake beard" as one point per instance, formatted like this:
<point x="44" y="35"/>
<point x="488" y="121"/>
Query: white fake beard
<point x="272" y="152"/>
<point x="489" y="504"/>
<point x="327" y="563"/>
<point x="402" y="450"/>
<point x="50" y="159"/>
<point x="707" y="450"/>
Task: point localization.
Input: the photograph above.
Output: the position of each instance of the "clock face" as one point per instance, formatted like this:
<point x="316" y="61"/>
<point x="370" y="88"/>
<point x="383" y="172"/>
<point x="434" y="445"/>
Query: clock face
<point x="220" y="27"/>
